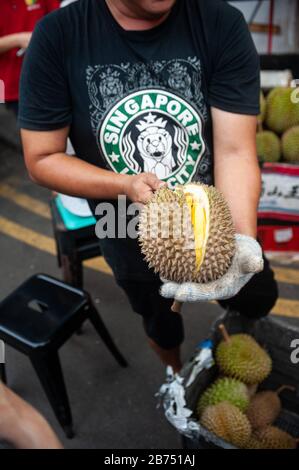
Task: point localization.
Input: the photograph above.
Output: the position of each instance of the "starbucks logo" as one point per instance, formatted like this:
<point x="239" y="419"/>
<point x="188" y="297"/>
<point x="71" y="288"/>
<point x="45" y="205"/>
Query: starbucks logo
<point x="153" y="131"/>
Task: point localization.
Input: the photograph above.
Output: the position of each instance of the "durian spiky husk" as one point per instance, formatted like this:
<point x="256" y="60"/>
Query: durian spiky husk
<point x="282" y="113"/>
<point x="263" y="409"/>
<point x="268" y="146"/>
<point x="272" y="437"/>
<point x="244" y="359"/>
<point x="290" y="145"/>
<point x="253" y="443"/>
<point x="204" y="251"/>
<point x="228" y="422"/>
<point x="224" y="389"/>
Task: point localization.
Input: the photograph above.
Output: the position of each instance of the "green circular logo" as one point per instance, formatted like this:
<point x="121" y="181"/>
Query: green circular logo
<point x="153" y="131"/>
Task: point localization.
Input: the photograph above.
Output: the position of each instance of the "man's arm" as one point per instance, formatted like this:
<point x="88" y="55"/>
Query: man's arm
<point x="12" y="41"/>
<point x="237" y="176"/>
<point x="48" y="165"/>
<point x="236" y="170"/>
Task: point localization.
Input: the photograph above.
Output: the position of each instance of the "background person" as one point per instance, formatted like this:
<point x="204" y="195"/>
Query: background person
<point x="17" y="21"/>
<point x="23" y="426"/>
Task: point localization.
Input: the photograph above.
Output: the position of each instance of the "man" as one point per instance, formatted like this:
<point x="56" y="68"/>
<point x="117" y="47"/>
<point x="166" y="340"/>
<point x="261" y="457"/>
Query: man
<point x="153" y="90"/>
<point x="17" y="21"/>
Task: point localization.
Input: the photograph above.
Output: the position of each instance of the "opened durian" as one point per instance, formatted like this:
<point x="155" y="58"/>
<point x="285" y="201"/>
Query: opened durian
<point x="224" y="389"/>
<point x="228" y="422"/>
<point x="241" y="357"/>
<point x="187" y="234"/>
<point x="265" y="407"/>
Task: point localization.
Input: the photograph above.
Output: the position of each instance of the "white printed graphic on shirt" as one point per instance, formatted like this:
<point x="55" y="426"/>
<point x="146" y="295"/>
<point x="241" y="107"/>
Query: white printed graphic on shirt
<point x="149" y="117"/>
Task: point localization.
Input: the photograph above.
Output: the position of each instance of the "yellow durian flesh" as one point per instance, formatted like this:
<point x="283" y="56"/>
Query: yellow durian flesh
<point x="198" y="203"/>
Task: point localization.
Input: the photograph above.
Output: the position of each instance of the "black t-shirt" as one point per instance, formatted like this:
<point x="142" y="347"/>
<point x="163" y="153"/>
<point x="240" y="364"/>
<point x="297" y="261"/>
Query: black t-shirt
<point x="140" y="100"/>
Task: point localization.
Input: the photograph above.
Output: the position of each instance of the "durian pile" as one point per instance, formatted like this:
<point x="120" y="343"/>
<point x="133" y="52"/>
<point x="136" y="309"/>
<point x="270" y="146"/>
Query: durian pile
<point x="232" y="408"/>
<point x="278" y="126"/>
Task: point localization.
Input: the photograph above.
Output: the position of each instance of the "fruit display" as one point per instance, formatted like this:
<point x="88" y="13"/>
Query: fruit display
<point x="278" y="126"/>
<point x="187" y="234"/>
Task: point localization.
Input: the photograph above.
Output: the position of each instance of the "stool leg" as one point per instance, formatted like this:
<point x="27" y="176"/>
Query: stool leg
<point x="3" y="373"/>
<point x="72" y="270"/>
<point x="48" y="369"/>
<point x="105" y="335"/>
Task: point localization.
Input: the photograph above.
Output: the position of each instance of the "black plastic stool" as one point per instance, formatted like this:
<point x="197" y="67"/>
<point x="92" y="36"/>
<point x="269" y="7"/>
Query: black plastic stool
<point x="37" y="319"/>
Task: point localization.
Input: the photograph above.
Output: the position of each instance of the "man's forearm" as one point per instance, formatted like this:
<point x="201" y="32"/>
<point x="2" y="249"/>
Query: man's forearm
<point x="75" y="177"/>
<point x="8" y="42"/>
<point x="239" y="179"/>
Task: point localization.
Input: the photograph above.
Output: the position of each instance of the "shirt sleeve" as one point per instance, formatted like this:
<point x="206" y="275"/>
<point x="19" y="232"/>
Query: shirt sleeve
<point x="235" y="79"/>
<point x="45" y="102"/>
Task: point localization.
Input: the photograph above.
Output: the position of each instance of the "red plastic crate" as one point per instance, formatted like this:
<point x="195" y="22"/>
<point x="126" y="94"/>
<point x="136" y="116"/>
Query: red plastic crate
<point x="279" y="238"/>
<point x="278" y="212"/>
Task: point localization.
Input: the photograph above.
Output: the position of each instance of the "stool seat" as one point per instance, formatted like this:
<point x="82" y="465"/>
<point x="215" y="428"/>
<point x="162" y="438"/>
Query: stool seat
<point x="37" y="319"/>
<point x="73" y="221"/>
<point x="39" y="310"/>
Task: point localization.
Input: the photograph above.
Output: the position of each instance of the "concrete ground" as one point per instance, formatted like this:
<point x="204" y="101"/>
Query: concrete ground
<point x="113" y="408"/>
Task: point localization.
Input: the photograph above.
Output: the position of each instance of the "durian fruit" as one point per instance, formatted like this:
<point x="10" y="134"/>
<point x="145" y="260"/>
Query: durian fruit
<point x="290" y="145"/>
<point x="282" y="113"/>
<point x="263" y="107"/>
<point x="241" y="357"/>
<point x="228" y="422"/>
<point x="265" y="407"/>
<point x="187" y="234"/>
<point x="253" y="443"/>
<point x="268" y="146"/>
<point x="224" y="389"/>
<point x="272" y="437"/>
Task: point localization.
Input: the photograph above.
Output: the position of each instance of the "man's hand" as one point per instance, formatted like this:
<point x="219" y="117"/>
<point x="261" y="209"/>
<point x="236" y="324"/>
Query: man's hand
<point x="248" y="260"/>
<point x="140" y="188"/>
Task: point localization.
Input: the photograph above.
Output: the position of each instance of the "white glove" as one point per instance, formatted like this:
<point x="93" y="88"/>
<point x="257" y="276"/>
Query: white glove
<point x="247" y="261"/>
